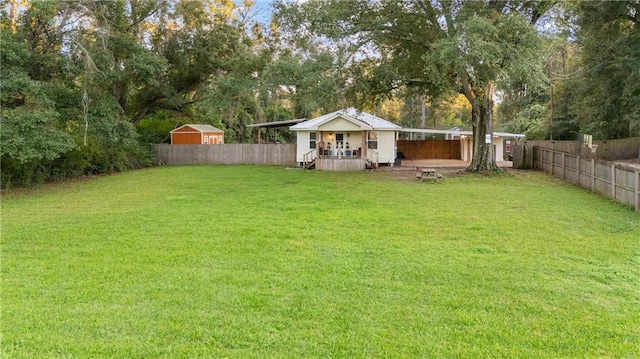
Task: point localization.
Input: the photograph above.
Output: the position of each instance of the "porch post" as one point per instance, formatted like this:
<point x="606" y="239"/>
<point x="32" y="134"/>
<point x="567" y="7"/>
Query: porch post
<point x="364" y="145"/>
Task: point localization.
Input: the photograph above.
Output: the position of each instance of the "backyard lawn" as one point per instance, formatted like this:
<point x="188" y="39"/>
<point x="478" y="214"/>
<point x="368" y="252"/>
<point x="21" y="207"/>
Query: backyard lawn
<point x="263" y="262"/>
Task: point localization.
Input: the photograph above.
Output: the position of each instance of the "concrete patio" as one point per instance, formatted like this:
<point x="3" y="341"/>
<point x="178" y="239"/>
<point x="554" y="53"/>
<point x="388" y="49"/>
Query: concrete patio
<point x="448" y="164"/>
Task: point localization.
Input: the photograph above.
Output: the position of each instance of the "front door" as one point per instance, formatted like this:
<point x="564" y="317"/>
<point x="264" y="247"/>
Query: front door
<point x="339" y="144"/>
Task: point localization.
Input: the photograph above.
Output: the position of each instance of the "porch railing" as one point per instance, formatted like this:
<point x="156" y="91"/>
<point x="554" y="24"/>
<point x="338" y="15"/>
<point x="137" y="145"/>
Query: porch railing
<point x="309" y="157"/>
<point x="372" y="157"/>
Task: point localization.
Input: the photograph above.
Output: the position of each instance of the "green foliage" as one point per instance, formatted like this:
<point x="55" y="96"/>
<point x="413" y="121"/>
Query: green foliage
<point x="60" y="117"/>
<point x="593" y="61"/>
<point x="436" y="47"/>
<point x="531" y="121"/>
<point x="610" y="34"/>
<point x="156" y="127"/>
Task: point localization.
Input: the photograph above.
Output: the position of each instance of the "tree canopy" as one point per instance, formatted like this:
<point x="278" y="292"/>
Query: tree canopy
<point x="88" y="85"/>
<point x="438" y="47"/>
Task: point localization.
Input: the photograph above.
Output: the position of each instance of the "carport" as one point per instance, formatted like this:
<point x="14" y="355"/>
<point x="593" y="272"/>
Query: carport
<point x="457" y="145"/>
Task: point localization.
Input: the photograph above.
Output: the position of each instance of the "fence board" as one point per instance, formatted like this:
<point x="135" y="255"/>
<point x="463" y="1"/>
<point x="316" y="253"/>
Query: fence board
<point x="624" y="148"/>
<point x="430" y="149"/>
<point x="227" y="154"/>
<point x="620" y="183"/>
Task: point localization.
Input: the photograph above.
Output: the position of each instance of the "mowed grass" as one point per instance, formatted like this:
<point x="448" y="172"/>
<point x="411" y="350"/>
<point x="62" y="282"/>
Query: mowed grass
<point x="255" y="262"/>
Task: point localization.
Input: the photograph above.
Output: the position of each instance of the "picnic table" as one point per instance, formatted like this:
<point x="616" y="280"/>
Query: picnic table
<point x="423" y="173"/>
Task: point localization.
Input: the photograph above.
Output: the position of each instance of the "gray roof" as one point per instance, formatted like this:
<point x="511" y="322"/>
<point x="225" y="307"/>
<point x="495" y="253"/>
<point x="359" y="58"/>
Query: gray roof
<point x="200" y="128"/>
<point x="274" y="124"/>
<point x="365" y="120"/>
<point x="459" y="132"/>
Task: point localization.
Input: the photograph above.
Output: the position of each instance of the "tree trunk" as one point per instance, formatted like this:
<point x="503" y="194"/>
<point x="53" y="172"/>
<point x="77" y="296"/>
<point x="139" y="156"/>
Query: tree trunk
<point x="483" y="160"/>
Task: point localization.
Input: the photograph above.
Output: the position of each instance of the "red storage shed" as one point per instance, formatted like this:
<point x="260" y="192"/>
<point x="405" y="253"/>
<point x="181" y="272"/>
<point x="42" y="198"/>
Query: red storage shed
<point x="197" y="135"/>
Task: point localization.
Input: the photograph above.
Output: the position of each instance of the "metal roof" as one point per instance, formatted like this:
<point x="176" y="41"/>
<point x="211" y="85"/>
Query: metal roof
<point x="278" y="123"/>
<point x="200" y="128"/>
<point x="365" y="120"/>
<point x="459" y="132"/>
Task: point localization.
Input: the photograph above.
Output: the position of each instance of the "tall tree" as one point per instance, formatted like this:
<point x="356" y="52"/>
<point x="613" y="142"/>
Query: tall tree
<point x="609" y="33"/>
<point x="438" y="46"/>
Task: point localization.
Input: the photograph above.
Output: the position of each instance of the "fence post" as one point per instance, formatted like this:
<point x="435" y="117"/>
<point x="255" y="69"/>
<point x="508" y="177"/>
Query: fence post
<point x="553" y="157"/>
<point x="613" y="181"/>
<point x="562" y="165"/>
<point x="593" y="174"/>
<point x="579" y="175"/>
<point x="637" y="190"/>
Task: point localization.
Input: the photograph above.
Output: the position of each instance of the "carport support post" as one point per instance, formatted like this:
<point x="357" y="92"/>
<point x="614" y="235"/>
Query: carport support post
<point x="364" y="144"/>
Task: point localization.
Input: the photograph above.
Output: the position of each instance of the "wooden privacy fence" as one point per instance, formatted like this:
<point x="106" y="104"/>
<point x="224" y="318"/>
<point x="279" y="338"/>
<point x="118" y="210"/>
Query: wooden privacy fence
<point x="625" y="148"/>
<point x="430" y="149"/>
<point x="282" y="154"/>
<point x="615" y="181"/>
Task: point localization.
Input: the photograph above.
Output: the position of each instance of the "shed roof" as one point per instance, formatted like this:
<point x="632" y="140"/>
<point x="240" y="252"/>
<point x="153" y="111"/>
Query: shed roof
<point x="200" y="128"/>
<point x="365" y="120"/>
<point x="275" y="124"/>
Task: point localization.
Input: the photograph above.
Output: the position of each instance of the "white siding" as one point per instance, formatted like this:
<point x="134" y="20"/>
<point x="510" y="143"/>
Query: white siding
<point x="467" y="148"/>
<point x="386" y="146"/>
<point x="339" y="124"/>
<point x="498" y="144"/>
<point x="302" y="145"/>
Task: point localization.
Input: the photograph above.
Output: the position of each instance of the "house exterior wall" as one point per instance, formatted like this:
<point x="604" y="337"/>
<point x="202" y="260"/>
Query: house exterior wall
<point x="339" y="125"/>
<point x="215" y="138"/>
<point x="302" y="145"/>
<point x="498" y="145"/>
<point x="386" y="146"/>
<point x="466" y="144"/>
<point x="467" y="148"/>
<point x="386" y="143"/>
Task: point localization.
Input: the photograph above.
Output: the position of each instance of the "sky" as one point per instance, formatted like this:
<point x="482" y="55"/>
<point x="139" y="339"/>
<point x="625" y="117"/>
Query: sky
<point x="263" y="10"/>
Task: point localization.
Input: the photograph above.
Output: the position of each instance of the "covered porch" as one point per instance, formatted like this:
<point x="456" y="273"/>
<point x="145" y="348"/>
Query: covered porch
<point x="341" y="150"/>
<point x="346" y="140"/>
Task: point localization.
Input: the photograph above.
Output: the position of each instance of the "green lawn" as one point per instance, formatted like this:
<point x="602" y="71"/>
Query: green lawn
<point x="255" y="262"/>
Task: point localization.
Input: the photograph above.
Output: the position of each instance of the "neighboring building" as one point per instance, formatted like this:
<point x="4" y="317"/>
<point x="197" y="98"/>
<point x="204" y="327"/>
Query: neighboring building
<point x="346" y="140"/>
<point x="197" y="135"/>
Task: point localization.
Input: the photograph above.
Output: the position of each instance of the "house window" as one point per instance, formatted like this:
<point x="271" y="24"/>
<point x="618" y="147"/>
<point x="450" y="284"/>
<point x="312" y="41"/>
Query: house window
<point x="312" y="140"/>
<point x="372" y="140"/>
<point x="339" y="140"/>
<point x="206" y="140"/>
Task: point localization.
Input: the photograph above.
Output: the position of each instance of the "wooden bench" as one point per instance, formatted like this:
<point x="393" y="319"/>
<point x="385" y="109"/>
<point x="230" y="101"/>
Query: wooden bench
<point x="423" y="173"/>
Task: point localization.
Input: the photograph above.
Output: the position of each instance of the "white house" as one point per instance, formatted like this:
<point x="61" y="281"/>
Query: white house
<point x="346" y="140"/>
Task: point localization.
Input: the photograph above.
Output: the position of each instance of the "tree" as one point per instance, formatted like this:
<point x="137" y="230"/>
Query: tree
<point x="437" y="46"/>
<point x="609" y="33"/>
